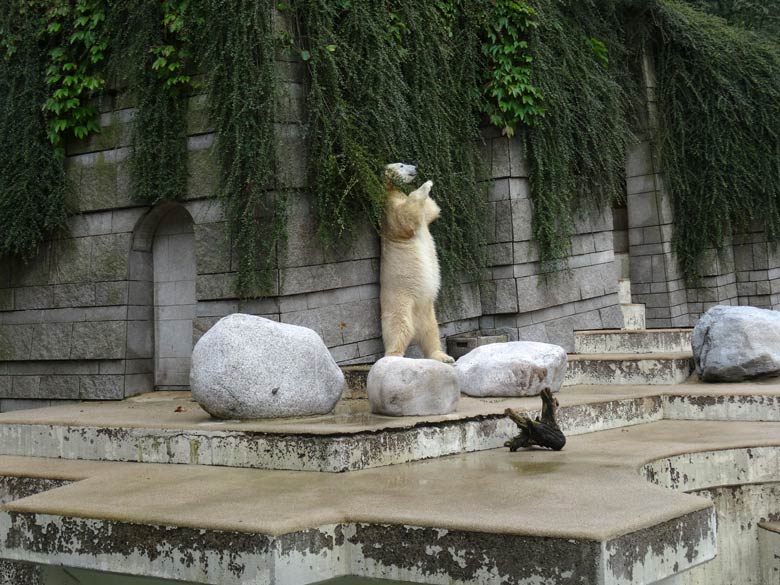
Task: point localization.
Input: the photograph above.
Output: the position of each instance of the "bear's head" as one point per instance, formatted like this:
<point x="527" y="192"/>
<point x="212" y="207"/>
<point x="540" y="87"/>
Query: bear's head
<point x="400" y="172"/>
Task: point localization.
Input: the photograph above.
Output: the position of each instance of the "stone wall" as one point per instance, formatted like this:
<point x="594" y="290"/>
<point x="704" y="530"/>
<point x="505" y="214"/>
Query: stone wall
<point x="81" y="320"/>
<point x="517" y="298"/>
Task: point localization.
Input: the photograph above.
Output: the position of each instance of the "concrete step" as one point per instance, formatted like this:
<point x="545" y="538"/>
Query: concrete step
<point x="638" y="341"/>
<point x="615" y="368"/>
<point x="633" y="316"/>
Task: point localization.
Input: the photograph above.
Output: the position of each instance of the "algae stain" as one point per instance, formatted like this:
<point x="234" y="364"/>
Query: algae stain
<point x="194" y="446"/>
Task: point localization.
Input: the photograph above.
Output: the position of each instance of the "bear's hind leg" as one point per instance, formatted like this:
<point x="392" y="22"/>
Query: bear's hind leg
<point x="397" y="325"/>
<point x="428" y="334"/>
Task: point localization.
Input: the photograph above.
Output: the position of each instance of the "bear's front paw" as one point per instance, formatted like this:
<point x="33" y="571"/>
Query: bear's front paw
<point x="427" y="185"/>
<point x="440" y="356"/>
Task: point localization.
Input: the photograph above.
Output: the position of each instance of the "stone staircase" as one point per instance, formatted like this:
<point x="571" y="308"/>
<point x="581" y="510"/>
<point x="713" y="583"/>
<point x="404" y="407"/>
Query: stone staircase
<point x="640" y="356"/>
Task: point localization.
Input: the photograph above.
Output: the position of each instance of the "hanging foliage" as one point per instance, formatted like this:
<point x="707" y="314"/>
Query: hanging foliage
<point x="394" y="82"/>
<point x="32" y="179"/>
<point x="238" y="51"/>
<point x="151" y="60"/>
<point x="719" y="104"/>
<point x="576" y="150"/>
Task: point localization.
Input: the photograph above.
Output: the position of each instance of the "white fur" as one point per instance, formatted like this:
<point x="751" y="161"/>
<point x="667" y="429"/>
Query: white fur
<point x="409" y="274"/>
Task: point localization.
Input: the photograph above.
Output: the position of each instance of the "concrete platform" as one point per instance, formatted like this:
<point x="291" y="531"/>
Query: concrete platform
<point x="583" y="515"/>
<point x="170" y="428"/>
<point x="769" y="550"/>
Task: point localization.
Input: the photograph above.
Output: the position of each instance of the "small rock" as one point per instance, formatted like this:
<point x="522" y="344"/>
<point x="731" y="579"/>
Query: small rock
<point x="737" y="343"/>
<point x="399" y="386"/>
<point x="248" y="367"/>
<point x="517" y="368"/>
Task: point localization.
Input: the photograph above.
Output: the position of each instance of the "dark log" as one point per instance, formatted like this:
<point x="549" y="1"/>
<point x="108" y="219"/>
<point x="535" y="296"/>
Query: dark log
<point x="543" y="432"/>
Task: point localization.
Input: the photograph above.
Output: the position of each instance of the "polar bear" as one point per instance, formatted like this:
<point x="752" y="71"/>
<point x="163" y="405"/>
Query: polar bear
<point x="409" y="277"/>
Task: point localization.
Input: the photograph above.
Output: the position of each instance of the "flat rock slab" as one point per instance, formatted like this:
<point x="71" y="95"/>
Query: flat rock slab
<point x="399" y="386"/>
<point x="518" y="368"/>
<point x="248" y="367"/>
<point x="731" y="344"/>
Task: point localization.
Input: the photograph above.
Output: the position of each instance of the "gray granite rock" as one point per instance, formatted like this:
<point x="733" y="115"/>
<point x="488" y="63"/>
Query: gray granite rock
<point x="518" y="368"/>
<point x="737" y="343"/>
<point x="248" y="367"/>
<point x="399" y="386"/>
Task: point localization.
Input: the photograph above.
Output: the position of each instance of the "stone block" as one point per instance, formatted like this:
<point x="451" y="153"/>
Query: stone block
<point x="198" y="119"/>
<point x="639" y="160"/>
<point x="26" y="387"/>
<point x="15" y="342"/>
<point x="101" y="340"/>
<point x="499" y="296"/>
<point x="329" y="276"/>
<point x="215" y="286"/>
<point x="212" y="247"/>
<point x="97" y="387"/>
<point x="71" y="261"/>
<point x="140" y="339"/>
<point x="202" y="170"/>
<point x="111" y="313"/>
<point x="60" y="387"/>
<point x="499" y="254"/>
<point x="125" y="220"/>
<point x="291" y="100"/>
<point x="33" y="271"/>
<point x="525" y="252"/>
<point x="139" y="366"/>
<point x="73" y="295"/>
<point x="504" y="221"/>
<point x="140" y="293"/>
<point x="51" y="341"/>
<point x="89" y="224"/>
<point x="467" y="306"/>
<point x="499" y="190"/>
<point x="522" y="215"/>
<point x="138" y="384"/>
<point x="519" y="188"/>
<point x="643" y="210"/>
<point x="110" y="257"/>
<point x="501" y="165"/>
<point x="291" y="157"/>
<point x="33" y="297"/>
<point x="6" y="299"/>
<point x="582" y="244"/>
<point x="111" y="293"/>
<point x="141" y="266"/>
<point x="95" y="182"/>
<point x="341" y="324"/>
<point x="518" y="164"/>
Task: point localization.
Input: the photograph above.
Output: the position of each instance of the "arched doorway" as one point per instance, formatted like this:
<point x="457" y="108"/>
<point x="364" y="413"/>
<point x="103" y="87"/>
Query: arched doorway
<point x="173" y="258"/>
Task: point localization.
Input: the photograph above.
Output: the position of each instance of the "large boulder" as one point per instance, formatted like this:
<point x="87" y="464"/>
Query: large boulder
<point x="248" y="367"/>
<point x="737" y="343"/>
<point x="399" y="386"/>
<point x="517" y="368"/>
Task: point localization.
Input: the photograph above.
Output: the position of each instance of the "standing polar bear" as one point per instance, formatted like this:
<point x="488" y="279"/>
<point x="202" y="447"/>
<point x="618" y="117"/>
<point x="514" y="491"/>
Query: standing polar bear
<point x="409" y="277"/>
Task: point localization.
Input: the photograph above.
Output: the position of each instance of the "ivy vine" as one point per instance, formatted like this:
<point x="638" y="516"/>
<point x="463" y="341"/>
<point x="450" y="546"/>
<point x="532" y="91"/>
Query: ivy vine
<point x="719" y="104"/>
<point x="395" y="82"/>
<point x="33" y="189"/>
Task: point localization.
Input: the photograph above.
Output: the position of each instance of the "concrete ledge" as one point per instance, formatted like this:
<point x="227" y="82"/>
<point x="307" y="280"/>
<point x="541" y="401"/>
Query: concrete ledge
<point x="471" y="518"/>
<point x="170" y="428"/>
